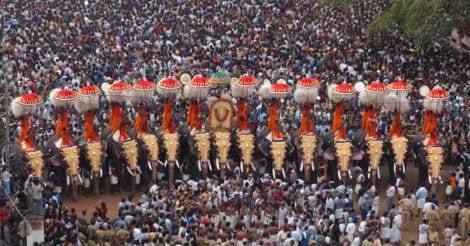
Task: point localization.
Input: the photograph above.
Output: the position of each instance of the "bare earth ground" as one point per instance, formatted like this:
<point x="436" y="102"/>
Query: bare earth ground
<point x="410" y="233"/>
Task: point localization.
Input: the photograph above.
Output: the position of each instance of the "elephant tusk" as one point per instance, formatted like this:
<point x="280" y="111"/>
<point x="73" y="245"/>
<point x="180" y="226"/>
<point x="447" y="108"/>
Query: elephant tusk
<point x="80" y="179"/>
<point x="241" y="166"/>
<point x="130" y="172"/>
<point x="161" y="163"/>
<point x="199" y="165"/>
<point x="166" y="163"/>
<point x="313" y="166"/>
<point x="274" y="174"/>
<point x="429" y="179"/>
<point x="68" y="180"/>
<point x="109" y="171"/>
<point x="209" y="164"/>
<point x="283" y="173"/>
<point x="149" y="165"/>
<point x="404" y="168"/>
<point x="253" y="166"/>
<point x="139" y="169"/>
<point x="101" y="173"/>
<point x="301" y="166"/>
<point x="339" y="174"/>
<point x="350" y="175"/>
<point x="368" y="175"/>
<point x="395" y="168"/>
<point x="217" y="163"/>
<point x="378" y="173"/>
<point x="177" y="164"/>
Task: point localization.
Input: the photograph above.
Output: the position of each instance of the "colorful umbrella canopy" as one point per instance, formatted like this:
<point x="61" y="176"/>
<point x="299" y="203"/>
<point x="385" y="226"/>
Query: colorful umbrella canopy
<point x="437" y="93"/>
<point x="143" y="89"/>
<point x="306" y="90"/>
<point x="280" y="89"/>
<point x="89" y="98"/>
<point x="247" y="80"/>
<point x="200" y="81"/>
<point x="169" y="86"/>
<point x="89" y="90"/>
<point x="399" y="86"/>
<point x="376" y="88"/>
<point x="308" y="83"/>
<point x="220" y="78"/>
<point x="30" y="99"/>
<point x="120" y="87"/>
<point x="344" y="89"/>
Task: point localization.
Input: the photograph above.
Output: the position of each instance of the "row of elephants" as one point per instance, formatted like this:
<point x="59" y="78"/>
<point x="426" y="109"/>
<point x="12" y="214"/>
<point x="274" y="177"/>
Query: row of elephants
<point x="221" y="141"/>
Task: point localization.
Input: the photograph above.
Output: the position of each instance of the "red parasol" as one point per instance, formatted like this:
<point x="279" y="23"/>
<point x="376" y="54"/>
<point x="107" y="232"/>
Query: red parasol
<point x="168" y="86"/>
<point x="89" y="90"/>
<point x="246" y="81"/>
<point x="30" y="99"/>
<point x="437" y="93"/>
<point x="143" y="90"/>
<point x="344" y="89"/>
<point x="280" y="89"/>
<point x="120" y="87"/>
<point x="308" y="83"/>
<point x="376" y="88"/>
<point x="200" y="81"/>
<point x="399" y="86"/>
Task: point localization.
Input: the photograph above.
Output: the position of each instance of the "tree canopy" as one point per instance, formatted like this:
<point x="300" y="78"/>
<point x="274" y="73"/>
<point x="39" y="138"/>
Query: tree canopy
<point x="421" y="21"/>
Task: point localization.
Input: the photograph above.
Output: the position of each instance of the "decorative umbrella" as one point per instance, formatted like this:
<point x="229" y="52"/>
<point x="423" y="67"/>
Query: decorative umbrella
<point x="306" y="89"/>
<point x="196" y="90"/>
<point x="26" y="104"/>
<point x="143" y="89"/>
<point x="89" y="98"/>
<point x="434" y="105"/>
<point x="280" y="89"/>
<point x="63" y="97"/>
<point x="396" y="101"/>
<point x="220" y="78"/>
<point x="341" y="92"/>
<point x="117" y="92"/>
<point x="399" y="86"/>
<point x="168" y="87"/>
<point x="244" y="86"/>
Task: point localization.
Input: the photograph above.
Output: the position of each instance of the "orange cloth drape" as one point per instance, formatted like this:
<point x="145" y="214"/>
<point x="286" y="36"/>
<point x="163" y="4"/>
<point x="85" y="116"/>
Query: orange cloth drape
<point x="197" y="122"/>
<point x="123" y="135"/>
<point x="90" y="133"/>
<point x="167" y="121"/>
<point x="429" y="122"/>
<point x="24" y="128"/>
<point x="395" y="129"/>
<point x="306" y="124"/>
<point x="242" y="115"/>
<point x="62" y="128"/>
<point x="272" y="116"/>
<point x="115" y="119"/>
<point x="371" y="125"/>
<point x="191" y="117"/>
<point x="365" y="118"/>
<point x="338" y="117"/>
<point x="140" y="124"/>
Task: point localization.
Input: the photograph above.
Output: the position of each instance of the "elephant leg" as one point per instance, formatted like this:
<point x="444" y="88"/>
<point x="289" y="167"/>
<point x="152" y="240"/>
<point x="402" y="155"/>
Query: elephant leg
<point x="307" y="173"/>
<point x="171" y="175"/>
<point x="74" y="183"/>
<point x="154" y="172"/>
<point x="107" y="184"/>
<point x="96" y="183"/>
<point x="205" y="169"/>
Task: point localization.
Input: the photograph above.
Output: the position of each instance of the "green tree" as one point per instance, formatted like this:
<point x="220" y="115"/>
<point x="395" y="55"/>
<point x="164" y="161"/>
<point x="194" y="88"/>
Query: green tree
<point x="342" y="4"/>
<point x="421" y="21"/>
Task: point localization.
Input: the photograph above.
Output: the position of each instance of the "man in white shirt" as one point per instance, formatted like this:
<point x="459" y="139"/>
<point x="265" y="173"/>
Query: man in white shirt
<point x="390" y="195"/>
<point x="350" y="229"/>
<point x="423" y="233"/>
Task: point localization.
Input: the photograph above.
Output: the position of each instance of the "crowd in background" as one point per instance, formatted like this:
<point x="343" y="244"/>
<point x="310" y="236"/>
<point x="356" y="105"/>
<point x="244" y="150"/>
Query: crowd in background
<point x="49" y="44"/>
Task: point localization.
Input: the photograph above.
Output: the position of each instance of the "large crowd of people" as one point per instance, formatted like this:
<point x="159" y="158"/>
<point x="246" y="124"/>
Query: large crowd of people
<point x="49" y="44"/>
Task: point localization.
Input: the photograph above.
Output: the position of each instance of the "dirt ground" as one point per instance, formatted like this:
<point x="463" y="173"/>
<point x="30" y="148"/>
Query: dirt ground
<point x="410" y="233"/>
